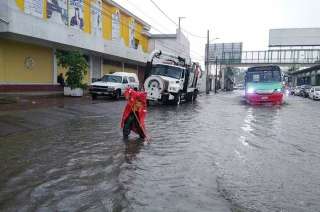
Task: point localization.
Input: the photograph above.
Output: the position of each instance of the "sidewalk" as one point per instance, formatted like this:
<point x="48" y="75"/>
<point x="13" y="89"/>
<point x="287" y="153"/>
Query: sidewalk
<point x="33" y="100"/>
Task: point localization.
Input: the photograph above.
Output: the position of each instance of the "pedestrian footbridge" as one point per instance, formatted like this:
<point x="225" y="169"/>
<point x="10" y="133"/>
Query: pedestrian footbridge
<point x="283" y="57"/>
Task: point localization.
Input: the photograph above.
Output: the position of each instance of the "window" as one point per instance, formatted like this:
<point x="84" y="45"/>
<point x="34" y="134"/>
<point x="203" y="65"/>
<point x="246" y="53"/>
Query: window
<point x="111" y="78"/>
<point x="132" y="79"/>
<point x="125" y="80"/>
<point x="168" y="71"/>
<point x="136" y="43"/>
<point x="116" y="25"/>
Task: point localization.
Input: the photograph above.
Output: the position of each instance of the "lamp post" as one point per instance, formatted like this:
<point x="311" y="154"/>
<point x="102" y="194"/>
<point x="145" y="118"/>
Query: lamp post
<point x="207" y="63"/>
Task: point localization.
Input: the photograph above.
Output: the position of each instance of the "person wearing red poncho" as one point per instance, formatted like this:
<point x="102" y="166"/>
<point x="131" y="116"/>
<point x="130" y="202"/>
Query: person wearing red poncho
<point x="134" y="113"/>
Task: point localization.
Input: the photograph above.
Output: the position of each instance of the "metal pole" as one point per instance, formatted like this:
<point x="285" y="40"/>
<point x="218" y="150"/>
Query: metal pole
<point x="215" y="79"/>
<point x="180" y="22"/>
<point x="207" y="64"/>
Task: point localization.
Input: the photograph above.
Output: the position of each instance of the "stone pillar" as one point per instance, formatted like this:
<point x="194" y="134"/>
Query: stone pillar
<point x="54" y="67"/>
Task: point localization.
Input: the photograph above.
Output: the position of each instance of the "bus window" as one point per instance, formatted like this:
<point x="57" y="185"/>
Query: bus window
<point x="256" y="78"/>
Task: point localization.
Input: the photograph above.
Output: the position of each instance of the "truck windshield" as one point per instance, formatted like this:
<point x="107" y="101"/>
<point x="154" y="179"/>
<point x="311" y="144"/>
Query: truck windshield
<point x="167" y="71"/>
<point x="111" y="78"/>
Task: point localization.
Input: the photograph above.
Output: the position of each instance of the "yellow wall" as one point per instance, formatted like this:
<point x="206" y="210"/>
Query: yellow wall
<point x="143" y="40"/>
<point x="20" y="4"/>
<point x="107" y="69"/>
<point x="13" y="59"/>
<point x="130" y="70"/>
<point x="45" y="9"/>
<point x="2" y="73"/>
<point x="87" y="16"/>
<point x="107" y="21"/>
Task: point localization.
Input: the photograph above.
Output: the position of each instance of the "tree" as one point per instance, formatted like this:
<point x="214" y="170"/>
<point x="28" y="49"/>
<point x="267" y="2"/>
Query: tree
<point x="76" y="65"/>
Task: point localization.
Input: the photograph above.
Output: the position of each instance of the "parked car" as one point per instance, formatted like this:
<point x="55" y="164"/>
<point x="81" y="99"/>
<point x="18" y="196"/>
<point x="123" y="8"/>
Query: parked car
<point x="315" y="93"/>
<point x="297" y="90"/>
<point x="304" y="91"/>
<point x="291" y="90"/>
<point x="114" y="85"/>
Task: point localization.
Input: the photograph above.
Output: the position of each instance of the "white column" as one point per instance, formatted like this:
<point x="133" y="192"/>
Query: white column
<point x="55" y="67"/>
<point x="122" y="66"/>
<point x="90" y="69"/>
<point x="101" y="70"/>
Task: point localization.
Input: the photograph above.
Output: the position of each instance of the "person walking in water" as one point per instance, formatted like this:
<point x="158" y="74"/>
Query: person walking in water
<point x="134" y="113"/>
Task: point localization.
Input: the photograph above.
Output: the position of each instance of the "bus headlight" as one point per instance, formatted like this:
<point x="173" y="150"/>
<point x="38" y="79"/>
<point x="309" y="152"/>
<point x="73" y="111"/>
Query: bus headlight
<point x="250" y="90"/>
<point x="278" y="90"/>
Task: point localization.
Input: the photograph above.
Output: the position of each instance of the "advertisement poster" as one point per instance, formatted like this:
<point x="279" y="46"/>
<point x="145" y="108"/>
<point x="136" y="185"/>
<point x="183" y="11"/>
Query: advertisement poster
<point x="96" y="17"/>
<point x="34" y="7"/>
<point x="57" y="11"/>
<point x="76" y="14"/>
<point x="116" y="26"/>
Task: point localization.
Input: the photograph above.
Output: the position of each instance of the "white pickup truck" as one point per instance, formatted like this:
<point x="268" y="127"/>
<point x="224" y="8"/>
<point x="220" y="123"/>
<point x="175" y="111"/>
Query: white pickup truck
<point x="114" y="85"/>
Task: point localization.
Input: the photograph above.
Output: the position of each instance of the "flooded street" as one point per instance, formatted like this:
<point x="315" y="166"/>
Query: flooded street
<point x="217" y="154"/>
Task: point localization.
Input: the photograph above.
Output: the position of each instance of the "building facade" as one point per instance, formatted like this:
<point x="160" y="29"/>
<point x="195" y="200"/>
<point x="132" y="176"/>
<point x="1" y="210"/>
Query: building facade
<point x="177" y="44"/>
<point x="31" y="31"/>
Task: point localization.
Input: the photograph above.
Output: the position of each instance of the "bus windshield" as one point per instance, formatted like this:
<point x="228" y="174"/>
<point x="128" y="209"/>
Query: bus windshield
<point x="167" y="71"/>
<point x="263" y="76"/>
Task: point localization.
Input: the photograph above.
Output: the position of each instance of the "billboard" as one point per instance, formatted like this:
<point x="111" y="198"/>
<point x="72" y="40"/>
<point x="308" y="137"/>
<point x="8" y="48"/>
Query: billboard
<point x="294" y="37"/>
<point x="57" y="11"/>
<point x="76" y="14"/>
<point x="225" y="53"/>
<point x="34" y="7"/>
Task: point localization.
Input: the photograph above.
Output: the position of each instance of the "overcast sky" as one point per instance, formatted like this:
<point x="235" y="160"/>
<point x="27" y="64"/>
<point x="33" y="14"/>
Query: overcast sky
<point x="246" y="21"/>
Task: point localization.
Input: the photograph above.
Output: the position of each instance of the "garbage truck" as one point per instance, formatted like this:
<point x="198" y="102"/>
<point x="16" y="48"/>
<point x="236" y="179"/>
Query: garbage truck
<point x="170" y="79"/>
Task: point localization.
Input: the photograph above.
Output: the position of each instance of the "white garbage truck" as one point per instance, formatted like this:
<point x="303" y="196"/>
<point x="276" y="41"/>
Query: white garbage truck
<point x="170" y="79"/>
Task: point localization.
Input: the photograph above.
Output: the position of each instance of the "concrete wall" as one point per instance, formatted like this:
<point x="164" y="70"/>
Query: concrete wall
<point x="178" y="45"/>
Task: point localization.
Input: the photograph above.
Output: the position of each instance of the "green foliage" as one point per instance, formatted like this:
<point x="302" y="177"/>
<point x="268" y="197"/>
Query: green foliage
<point x="76" y="65"/>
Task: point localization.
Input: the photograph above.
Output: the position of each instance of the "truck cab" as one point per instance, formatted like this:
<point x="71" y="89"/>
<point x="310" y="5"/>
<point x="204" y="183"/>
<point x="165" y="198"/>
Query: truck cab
<point x="171" y="81"/>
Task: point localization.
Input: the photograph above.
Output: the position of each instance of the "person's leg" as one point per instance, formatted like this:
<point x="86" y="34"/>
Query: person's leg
<point x="138" y="127"/>
<point x="128" y="125"/>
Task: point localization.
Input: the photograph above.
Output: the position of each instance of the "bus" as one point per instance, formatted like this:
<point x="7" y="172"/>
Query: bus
<point x="263" y="84"/>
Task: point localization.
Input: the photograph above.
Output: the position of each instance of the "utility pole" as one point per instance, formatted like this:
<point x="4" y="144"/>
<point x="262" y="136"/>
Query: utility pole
<point x="215" y="78"/>
<point x="207" y="64"/>
<point x="180" y="22"/>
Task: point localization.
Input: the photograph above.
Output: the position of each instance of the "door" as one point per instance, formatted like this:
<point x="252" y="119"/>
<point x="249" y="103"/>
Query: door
<point x="125" y="84"/>
<point x="96" y="68"/>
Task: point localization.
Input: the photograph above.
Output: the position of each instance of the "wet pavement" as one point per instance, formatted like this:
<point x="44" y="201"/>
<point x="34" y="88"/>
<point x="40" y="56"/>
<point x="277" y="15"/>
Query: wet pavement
<point x="216" y="154"/>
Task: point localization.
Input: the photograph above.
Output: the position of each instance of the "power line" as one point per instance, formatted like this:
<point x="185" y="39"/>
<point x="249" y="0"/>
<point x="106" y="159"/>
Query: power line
<point x="147" y="15"/>
<point x="163" y="13"/>
<point x="170" y="19"/>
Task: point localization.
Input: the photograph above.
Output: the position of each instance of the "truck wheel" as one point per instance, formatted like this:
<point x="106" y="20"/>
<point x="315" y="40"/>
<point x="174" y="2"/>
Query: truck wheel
<point x="177" y="99"/>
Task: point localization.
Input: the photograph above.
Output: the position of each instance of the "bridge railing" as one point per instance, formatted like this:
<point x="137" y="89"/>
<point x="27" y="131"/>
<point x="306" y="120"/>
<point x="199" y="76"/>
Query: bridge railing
<point x="287" y="56"/>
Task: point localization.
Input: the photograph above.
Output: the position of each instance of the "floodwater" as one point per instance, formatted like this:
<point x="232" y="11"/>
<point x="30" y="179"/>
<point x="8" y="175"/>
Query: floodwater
<point x="216" y="154"/>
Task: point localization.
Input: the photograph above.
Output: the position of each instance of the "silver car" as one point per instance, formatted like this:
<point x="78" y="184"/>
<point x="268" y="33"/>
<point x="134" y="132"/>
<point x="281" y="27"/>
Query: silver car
<point x="314" y="93"/>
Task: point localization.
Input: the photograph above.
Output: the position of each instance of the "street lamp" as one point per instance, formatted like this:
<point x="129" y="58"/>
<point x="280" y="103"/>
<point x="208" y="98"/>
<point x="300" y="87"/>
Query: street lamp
<point x="208" y="63"/>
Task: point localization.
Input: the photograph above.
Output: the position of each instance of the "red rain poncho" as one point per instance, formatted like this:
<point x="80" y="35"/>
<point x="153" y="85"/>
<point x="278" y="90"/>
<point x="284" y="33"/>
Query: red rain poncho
<point x="140" y="109"/>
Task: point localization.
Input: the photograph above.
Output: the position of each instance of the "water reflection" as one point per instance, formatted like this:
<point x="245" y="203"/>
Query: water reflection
<point x="132" y="148"/>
